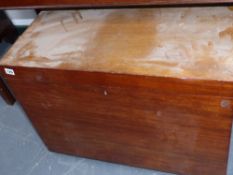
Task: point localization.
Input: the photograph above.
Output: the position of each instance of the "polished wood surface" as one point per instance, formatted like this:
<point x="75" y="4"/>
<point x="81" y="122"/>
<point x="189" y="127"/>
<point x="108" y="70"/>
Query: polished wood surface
<point x="173" y="125"/>
<point x="99" y="3"/>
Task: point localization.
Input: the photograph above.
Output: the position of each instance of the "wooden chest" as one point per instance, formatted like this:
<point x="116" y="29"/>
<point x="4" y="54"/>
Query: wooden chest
<point x="146" y="87"/>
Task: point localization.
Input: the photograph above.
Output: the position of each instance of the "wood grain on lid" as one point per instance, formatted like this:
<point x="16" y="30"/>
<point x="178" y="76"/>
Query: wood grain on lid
<point x="186" y="43"/>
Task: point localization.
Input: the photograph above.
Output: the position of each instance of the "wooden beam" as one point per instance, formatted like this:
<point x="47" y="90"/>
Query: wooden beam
<point x="6" y="4"/>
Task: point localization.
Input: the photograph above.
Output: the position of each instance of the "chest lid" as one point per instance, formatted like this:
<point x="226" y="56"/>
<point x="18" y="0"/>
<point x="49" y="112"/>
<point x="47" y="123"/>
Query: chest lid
<point x="186" y="43"/>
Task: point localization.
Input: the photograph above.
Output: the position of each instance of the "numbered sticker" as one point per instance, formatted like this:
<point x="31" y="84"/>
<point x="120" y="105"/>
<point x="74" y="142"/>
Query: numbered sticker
<point x="9" y="71"/>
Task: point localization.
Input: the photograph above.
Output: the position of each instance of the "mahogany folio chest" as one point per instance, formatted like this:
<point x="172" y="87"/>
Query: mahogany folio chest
<point x="147" y="87"/>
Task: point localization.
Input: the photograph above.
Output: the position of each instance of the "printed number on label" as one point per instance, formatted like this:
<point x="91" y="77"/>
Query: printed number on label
<point x="9" y="71"/>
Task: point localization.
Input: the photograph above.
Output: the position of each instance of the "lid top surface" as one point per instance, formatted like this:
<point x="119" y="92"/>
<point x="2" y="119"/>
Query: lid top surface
<point x="192" y="43"/>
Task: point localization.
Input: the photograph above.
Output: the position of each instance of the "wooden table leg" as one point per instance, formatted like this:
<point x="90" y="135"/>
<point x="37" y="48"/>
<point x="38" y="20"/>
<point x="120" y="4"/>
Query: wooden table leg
<point x="5" y="93"/>
<point x="9" y="34"/>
